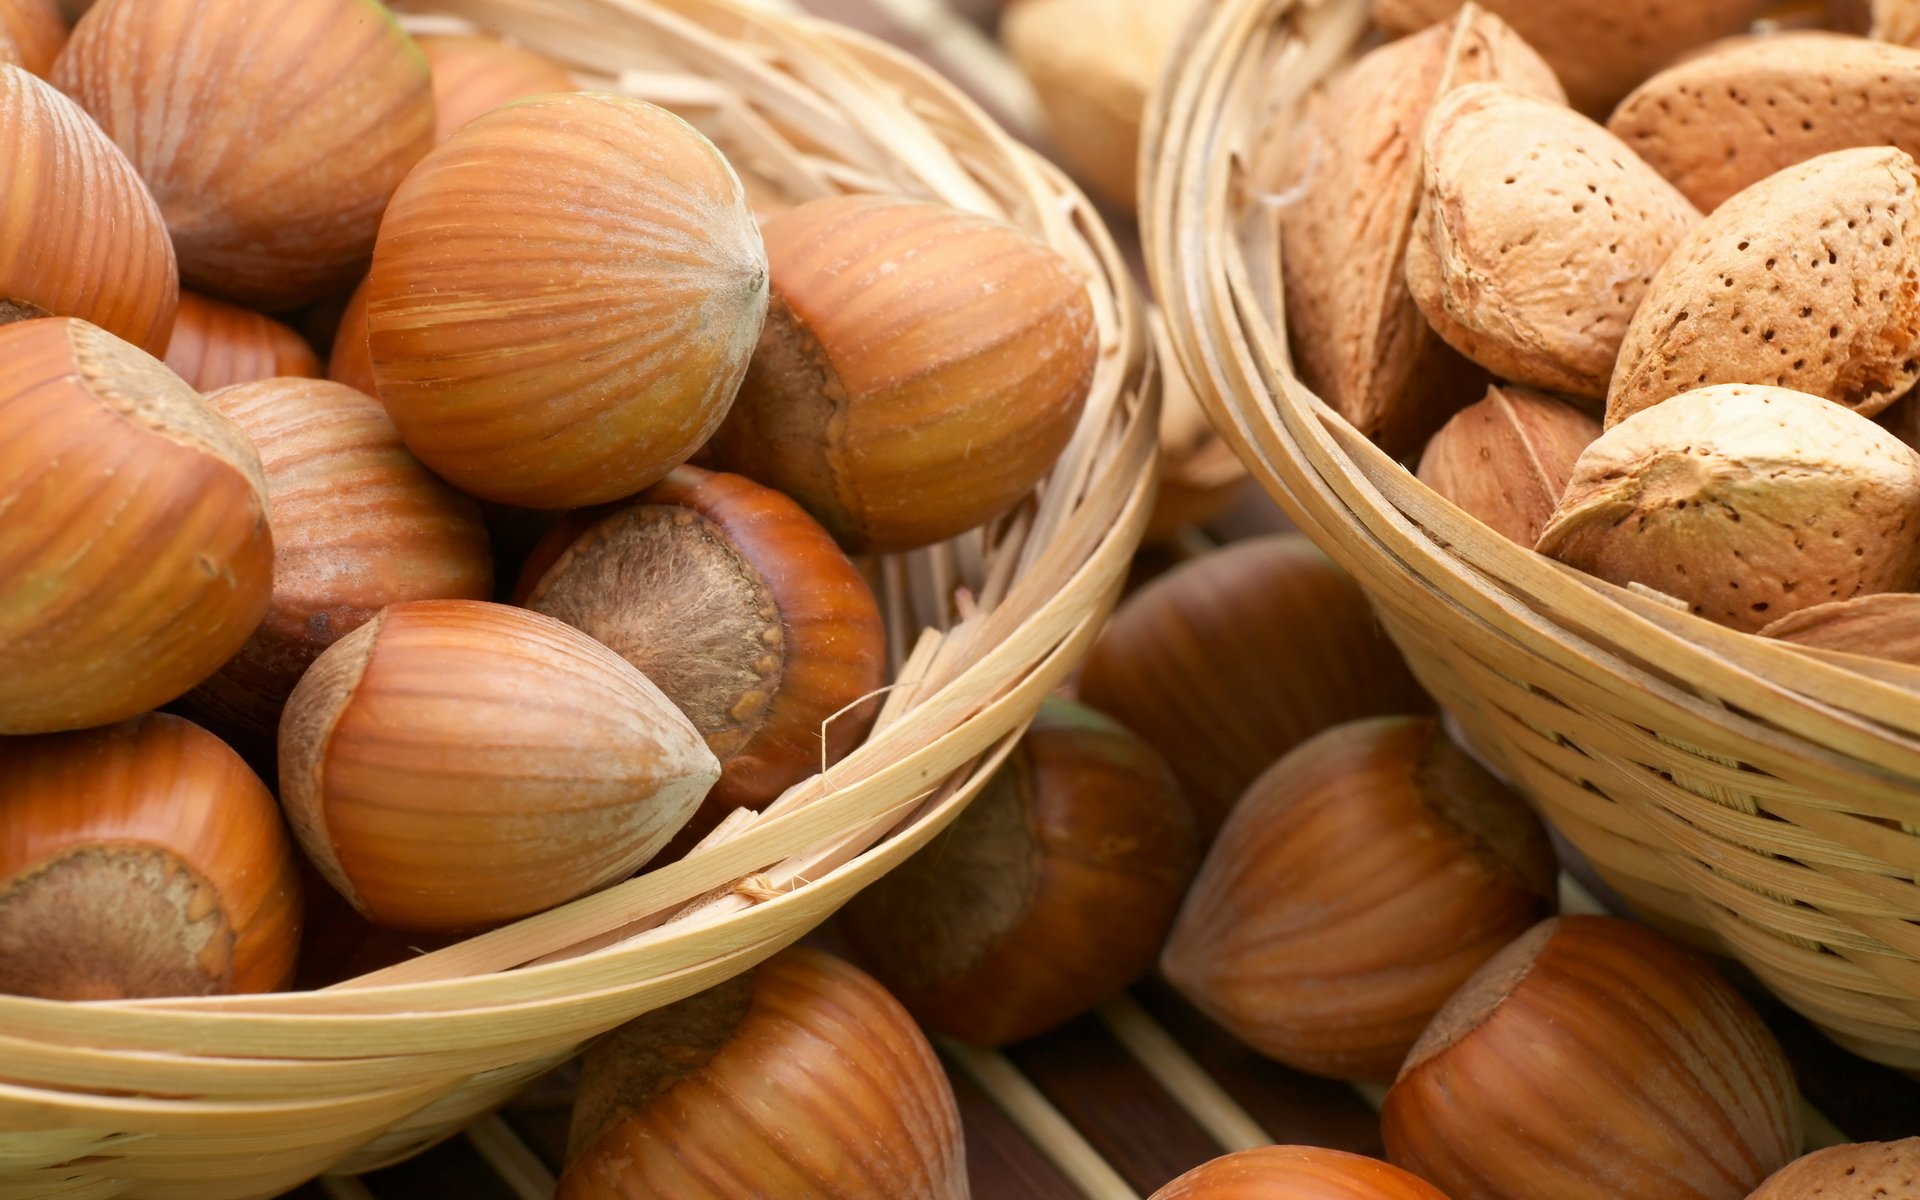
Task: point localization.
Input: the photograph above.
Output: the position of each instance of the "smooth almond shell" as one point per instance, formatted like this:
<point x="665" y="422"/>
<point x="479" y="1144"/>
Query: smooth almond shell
<point x="921" y="369"/>
<point x="1297" y="1173"/>
<point x="452" y="764"/>
<point x="31" y="34"/>
<point x="1748" y="503"/>
<point x="1537" y="237"/>
<point x="579" y="273"/>
<point x="1859" y="1171"/>
<point x="472" y="76"/>
<point x="1230" y="661"/>
<point x="1601" y="50"/>
<point x="216" y="345"/>
<point x="1507" y="459"/>
<point x="79" y="235"/>
<point x="135" y="556"/>
<point x="1353" y="184"/>
<point x="1896" y="21"/>
<point x="800" y="1078"/>
<point x="141" y="859"/>
<point x="1885" y="626"/>
<point x="1594" y="1060"/>
<point x="358" y="524"/>
<point x="329" y="99"/>
<point x="1719" y="123"/>
<point x="1808" y="280"/>
<point x="1358" y="883"/>
<point x="1044" y="899"/>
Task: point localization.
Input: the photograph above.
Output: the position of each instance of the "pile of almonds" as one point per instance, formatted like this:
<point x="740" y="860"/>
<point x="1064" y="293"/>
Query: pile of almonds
<point x="1673" y="349"/>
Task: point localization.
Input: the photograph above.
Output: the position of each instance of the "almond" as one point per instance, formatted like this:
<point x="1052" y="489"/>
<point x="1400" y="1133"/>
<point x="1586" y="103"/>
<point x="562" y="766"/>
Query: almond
<point x="1807" y="280"/>
<point x="1600" y="48"/>
<point x="1725" y="120"/>
<point x="1537" y="236"/>
<point x="1862" y="1171"/>
<point x="1507" y="459"/>
<point x="1885" y="626"/>
<point x="1749" y="503"/>
<point x="1352" y="183"/>
<point x="1897" y="21"/>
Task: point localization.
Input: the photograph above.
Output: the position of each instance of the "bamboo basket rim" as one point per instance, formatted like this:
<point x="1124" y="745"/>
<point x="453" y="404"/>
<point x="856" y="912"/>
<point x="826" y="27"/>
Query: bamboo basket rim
<point x="1003" y="616"/>
<point x="1789" y="710"/>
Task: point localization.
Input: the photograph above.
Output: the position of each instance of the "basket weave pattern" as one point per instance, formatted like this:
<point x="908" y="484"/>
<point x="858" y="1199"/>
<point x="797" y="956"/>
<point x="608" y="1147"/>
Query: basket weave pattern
<point x="210" y="1099"/>
<point x="1759" y="799"/>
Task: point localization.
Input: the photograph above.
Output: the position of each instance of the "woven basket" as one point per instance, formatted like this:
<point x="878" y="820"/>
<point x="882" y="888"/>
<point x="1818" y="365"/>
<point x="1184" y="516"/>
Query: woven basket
<point x="208" y="1099"/>
<point x="1756" y="798"/>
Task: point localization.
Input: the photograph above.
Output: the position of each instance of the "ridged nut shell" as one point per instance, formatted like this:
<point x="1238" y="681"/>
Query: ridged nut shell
<point x="216" y="345"/>
<point x="1239" y="656"/>
<point x="800" y="1078"/>
<point x="453" y="764"/>
<point x="1748" y="503"/>
<point x="142" y="859"/>
<point x="1809" y="280"/>
<point x="1507" y="459"/>
<point x="1721" y="122"/>
<point x="79" y="235"/>
<point x="1047" y="897"/>
<point x="1601" y="50"/>
<point x="1297" y="1173"/>
<point x="1353" y="183"/>
<point x="135" y="555"/>
<point x="1859" y="1171"/>
<point x="358" y="524"/>
<point x="921" y="369"/>
<point x="579" y="273"/>
<point x="1594" y="1060"/>
<point x="1885" y="626"/>
<point x="473" y="75"/>
<point x="745" y="614"/>
<point x="1358" y="883"/>
<point x="272" y="132"/>
<point x="1537" y="237"/>
<point x="350" y="361"/>
<point x="31" y="34"/>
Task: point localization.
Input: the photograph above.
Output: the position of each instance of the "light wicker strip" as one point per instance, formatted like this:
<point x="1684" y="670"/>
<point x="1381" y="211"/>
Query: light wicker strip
<point x="1754" y="797"/>
<point x="245" y="1096"/>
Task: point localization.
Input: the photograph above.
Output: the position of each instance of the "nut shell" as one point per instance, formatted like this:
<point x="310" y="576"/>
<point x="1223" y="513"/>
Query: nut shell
<point x="1044" y="899"/>
<point x="1600" y="50"/>
<point x="1721" y="122"/>
<point x="1896" y="21"/>
<point x="79" y="235"/>
<point x="135" y="556"/>
<point x="921" y="369"/>
<point x="31" y="34"/>
<point x="452" y="764"/>
<point x="216" y="345"/>
<point x="1353" y="184"/>
<point x="329" y="99"/>
<point x="1748" y="503"/>
<point x="1297" y="1173"/>
<point x="1861" y="1171"/>
<point x="142" y="859"/>
<point x="1593" y="1060"/>
<point x="1809" y="280"/>
<point x="1507" y="459"/>
<point x="577" y="272"/>
<point x="1537" y="237"/>
<point x="1357" y="884"/>
<point x="472" y="76"/>
<point x="358" y="524"/>
<point x="1885" y="626"/>
<point x="351" y="362"/>
<point x="801" y="1078"/>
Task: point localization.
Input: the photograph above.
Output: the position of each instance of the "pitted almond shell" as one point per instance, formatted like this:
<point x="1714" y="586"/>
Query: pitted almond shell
<point x="1600" y="48"/>
<point x="1537" y="236"/>
<point x="1353" y="181"/>
<point x="1807" y="280"/>
<point x="1722" y="121"/>
<point x="1749" y="503"/>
